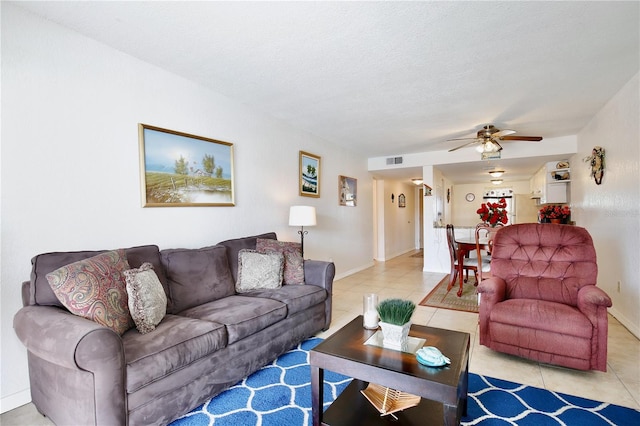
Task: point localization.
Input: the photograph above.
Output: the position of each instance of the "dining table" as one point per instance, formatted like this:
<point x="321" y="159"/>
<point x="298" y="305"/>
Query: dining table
<point x="464" y="246"/>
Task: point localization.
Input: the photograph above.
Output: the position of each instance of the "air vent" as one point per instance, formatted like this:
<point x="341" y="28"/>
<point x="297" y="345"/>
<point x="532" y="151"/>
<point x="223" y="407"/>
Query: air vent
<point x="394" y="160"/>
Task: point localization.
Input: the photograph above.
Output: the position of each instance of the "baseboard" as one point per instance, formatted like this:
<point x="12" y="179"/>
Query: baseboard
<point x="15" y="400"/>
<point x="353" y="271"/>
<point x="628" y="324"/>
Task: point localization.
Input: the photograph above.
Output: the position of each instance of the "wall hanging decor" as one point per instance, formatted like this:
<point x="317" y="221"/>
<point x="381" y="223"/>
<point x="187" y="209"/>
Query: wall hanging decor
<point x="427" y="190"/>
<point x="347" y="191"/>
<point x="596" y="160"/>
<point x="309" y="175"/>
<point x="402" y="201"/>
<point x="182" y="170"/>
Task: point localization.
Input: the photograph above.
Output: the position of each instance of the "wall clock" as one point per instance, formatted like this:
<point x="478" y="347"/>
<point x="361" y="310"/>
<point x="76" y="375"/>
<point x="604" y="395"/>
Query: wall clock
<point x="470" y="197"/>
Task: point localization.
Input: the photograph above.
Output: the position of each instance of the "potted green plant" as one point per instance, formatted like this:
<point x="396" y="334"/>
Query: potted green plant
<point x="395" y="322"/>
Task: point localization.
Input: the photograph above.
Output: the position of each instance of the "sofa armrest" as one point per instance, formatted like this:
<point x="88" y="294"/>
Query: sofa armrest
<point x="321" y="274"/>
<point x="63" y="339"/>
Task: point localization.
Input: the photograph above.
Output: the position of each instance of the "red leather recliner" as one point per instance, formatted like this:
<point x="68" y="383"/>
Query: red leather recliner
<point x="541" y="301"/>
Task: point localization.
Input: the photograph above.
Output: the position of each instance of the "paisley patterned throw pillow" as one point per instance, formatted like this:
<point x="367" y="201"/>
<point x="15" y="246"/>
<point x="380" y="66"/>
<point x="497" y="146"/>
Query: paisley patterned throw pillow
<point x="259" y="270"/>
<point x="95" y="289"/>
<point x="293" y="262"/>
<point x="147" y="299"/>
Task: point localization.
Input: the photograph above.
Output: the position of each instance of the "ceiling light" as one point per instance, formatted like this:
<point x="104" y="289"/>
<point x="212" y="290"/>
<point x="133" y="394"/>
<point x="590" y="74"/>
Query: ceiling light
<point x="496" y="173"/>
<point x="417" y="181"/>
<point x="488" y="146"/>
<point x="496" y="181"/>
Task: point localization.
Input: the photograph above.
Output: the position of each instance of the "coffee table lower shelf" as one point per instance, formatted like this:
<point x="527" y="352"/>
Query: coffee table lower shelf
<point x="352" y="408"/>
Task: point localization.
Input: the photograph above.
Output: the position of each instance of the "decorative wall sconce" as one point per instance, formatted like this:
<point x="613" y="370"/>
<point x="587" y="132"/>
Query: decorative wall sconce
<point x="427" y="190"/>
<point x="596" y="159"/>
<point x="393" y="197"/>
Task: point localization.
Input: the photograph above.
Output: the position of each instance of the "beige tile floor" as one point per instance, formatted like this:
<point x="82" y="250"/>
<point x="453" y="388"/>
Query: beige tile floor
<point x="403" y="277"/>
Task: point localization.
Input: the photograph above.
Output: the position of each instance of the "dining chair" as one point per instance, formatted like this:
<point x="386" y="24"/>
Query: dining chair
<point x="457" y="261"/>
<point x="484" y="243"/>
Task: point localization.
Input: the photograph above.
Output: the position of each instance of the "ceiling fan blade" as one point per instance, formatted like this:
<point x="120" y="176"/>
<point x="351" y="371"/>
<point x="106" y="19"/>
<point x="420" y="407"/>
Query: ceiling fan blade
<point x="461" y="139"/>
<point x="463" y="145"/>
<point x="522" y="138"/>
<point x="502" y="133"/>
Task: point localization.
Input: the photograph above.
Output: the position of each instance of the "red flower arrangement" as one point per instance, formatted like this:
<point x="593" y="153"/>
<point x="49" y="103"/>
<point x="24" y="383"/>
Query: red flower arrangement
<point x="555" y="212"/>
<point x="494" y="213"/>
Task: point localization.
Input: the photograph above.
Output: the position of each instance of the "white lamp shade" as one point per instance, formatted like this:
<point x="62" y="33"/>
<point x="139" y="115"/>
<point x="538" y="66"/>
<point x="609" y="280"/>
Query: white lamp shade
<point x="302" y="216"/>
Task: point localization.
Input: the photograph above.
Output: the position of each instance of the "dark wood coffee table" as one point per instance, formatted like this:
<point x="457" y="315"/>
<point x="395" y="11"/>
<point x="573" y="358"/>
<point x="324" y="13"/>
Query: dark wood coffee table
<point x="444" y="389"/>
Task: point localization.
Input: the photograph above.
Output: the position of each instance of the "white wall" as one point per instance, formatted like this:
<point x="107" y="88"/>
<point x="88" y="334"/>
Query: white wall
<point x="464" y="212"/>
<point x="610" y="211"/>
<point x="70" y="166"/>
<point x="399" y="222"/>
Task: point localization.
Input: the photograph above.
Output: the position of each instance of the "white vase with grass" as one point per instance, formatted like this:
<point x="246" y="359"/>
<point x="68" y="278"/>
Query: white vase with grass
<point x="395" y="322"/>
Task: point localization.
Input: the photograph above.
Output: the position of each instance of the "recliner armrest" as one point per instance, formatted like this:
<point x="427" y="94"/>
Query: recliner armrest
<point x="493" y="290"/>
<point x="593" y="295"/>
<point x="590" y="299"/>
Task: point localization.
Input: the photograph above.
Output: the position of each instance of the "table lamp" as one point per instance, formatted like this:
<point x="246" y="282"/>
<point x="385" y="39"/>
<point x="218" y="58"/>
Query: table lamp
<point x="302" y="216"/>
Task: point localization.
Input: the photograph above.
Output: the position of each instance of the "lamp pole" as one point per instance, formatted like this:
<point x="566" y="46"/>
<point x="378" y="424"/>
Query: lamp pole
<point x="302" y="233"/>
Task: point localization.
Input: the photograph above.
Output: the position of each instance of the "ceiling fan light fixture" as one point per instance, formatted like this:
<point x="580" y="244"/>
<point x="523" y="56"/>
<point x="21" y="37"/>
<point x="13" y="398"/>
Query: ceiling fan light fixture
<point x="496" y="181"/>
<point x="496" y="173"/>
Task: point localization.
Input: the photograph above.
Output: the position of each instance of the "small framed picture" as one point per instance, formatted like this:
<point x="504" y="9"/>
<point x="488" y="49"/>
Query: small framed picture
<point x="402" y="201"/>
<point x="182" y="170"/>
<point x="309" y="179"/>
<point x="347" y="191"/>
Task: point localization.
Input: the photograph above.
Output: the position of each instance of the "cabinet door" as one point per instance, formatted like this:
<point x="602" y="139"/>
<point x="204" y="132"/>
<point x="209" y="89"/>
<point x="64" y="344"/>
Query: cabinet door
<point x="556" y="193"/>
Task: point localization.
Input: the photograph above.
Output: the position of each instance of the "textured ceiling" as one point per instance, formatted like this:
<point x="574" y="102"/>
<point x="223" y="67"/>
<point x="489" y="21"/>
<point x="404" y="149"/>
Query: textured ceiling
<point x="384" y="78"/>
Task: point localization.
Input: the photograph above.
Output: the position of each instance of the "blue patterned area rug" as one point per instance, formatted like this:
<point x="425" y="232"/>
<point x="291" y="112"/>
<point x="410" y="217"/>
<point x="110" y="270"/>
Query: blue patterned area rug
<point x="280" y="394"/>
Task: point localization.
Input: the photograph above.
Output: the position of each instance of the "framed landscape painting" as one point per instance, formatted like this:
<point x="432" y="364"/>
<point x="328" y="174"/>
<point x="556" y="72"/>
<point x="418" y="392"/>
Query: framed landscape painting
<point x="182" y="170"/>
<point x="309" y="175"/>
<point x="347" y="191"/>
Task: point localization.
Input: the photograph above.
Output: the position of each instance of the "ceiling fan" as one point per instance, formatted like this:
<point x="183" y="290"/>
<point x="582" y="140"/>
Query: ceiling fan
<point x="489" y="138"/>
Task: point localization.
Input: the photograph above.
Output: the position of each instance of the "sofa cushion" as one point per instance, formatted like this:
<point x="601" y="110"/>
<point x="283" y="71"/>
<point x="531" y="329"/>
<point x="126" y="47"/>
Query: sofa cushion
<point x="242" y="315"/>
<point x="175" y="343"/>
<point x="293" y="262"/>
<point x="147" y="300"/>
<point x="40" y="290"/>
<point x="237" y="244"/>
<point x="197" y="276"/>
<point x="542" y="315"/>
<point x="95" y="289"/>
<point x="259" y="270"/>
<point x="296" y="297"/>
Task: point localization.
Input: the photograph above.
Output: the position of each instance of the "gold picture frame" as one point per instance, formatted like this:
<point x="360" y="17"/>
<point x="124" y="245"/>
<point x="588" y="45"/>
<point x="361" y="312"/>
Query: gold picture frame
<point x="182" y="170"/>
<point x="309" y="175"/>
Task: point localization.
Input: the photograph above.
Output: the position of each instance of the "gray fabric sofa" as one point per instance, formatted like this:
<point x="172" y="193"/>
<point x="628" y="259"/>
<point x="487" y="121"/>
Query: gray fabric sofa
<point x="84" y="373"/>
